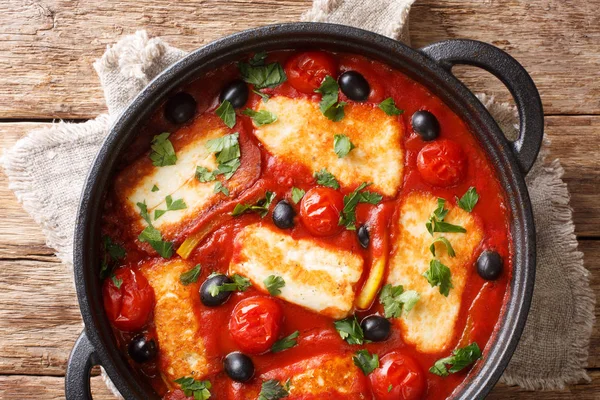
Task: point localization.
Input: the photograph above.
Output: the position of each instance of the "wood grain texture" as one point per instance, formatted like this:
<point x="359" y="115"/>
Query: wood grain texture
<point x="47" y="46"/>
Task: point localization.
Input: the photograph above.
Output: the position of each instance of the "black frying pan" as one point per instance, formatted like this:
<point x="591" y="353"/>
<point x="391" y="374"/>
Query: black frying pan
<point x="430" y="66"/>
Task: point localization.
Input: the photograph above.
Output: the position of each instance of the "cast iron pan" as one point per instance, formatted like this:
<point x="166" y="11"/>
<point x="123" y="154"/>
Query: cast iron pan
<point x="430" y="66"/>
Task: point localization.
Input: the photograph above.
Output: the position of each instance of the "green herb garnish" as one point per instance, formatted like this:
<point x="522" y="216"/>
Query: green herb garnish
<point x="260" y="118"/>
<point x="274" y="390"/>
<point x="348" y="215"/>
<point x="261" y="207"/>
<point x="342" y="145"/>
<point x="286" y="343"/>
<point x="366" y="361"/>
<point x="162" y="153"/>
<point x="239" y="284"/>
<point x="395" y="300"/>
<point x="468" y="201"/>
<point x="326" y="178"/>
<point x="199" y="390"/>
<point x="460" y="359"/>
<point x="329" y="105"/>
<point x="439" y="275"/>
<point x="297" y="194"/>
<point x="349" y="329"/>
<point x="227" y="113"/>
<point x="389" y="107"/>
<point x="191" y="276"/>
<point x="171" y="206"/>
<point x="446" y="242"/>
<point x="262" y="75"/>
<point x="274" y="283"/>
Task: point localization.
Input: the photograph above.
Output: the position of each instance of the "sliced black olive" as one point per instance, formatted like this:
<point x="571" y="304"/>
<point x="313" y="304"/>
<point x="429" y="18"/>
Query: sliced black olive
<point x="239" y="366"/>
<point x="142" y="349"/>
<point x="363" y="236"/>
<point x="283" y="215"/>
<point x="376" y="328"/>
<point x="207" y="298"/>
<point x="354" y="85"/>
<point x="180" y="108"/>
<point x="489" y="265"/>
<point x="426" y="125"/>
<point x="236" y="92"/>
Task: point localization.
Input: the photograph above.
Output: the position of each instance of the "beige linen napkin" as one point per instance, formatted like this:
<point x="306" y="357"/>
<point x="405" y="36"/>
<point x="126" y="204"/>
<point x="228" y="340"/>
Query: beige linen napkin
<point x="46" y="170"/>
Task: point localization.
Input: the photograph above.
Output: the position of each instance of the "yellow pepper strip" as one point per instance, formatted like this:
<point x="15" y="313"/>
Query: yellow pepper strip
<point x="371" y="286"/>
<point x="192" y="241"/>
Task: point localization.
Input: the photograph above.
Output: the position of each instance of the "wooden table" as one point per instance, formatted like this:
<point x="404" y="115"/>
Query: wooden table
<point x="46" y="52"/>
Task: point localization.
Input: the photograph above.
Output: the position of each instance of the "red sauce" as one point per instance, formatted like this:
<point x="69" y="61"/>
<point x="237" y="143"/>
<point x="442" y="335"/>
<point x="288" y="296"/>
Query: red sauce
<point x="482" y="301"/>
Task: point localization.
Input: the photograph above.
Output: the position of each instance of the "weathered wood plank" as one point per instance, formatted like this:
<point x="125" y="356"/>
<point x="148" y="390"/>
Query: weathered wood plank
<point x="37" y="334"/>
<point x="575" y="141"/>
<point x="47" y="47"/>
<point x="19" y="387"/>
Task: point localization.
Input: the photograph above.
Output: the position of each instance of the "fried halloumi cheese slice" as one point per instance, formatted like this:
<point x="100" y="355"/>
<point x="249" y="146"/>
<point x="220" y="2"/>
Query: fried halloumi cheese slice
<point x="303" y="134"/>
<point x="430" y="325"/>
<point x="143" y="182"/>
<point x="182" y="351"/>
<point x="317" y="277"/>
<point x="326" y="376"/>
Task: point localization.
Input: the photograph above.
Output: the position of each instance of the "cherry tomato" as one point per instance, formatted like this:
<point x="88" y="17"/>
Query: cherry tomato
<point x="129" y="305"/>
<point x="403" y="374"/>
<point x="255" y="324"/>
<point x="442" y="163"/>
<point x="306" y="71"/>
<point x="320" y="211"/>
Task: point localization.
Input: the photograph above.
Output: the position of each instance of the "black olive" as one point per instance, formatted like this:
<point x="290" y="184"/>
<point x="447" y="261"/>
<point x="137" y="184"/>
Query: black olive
<point x="239" y="366"/>
<point x="376" y="328"/>
<point x="354" y="85"/>
<point x="283" y="215"/>
<point x="142" y="349"/>
<point x="208" y="299"/>
<point x="363" y="236"/>
<point x="236" y="92"/>
<point x="180" y="108"/>
<point x="426" y="125"/>
<point x="489" y="265"/>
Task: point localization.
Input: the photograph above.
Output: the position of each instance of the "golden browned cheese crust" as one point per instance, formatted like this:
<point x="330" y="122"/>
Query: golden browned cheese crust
<point x="378" y="156"/>
<point x="430" y="325"/>
<point x="182" y="351"/>
<point x="319" y="278"/>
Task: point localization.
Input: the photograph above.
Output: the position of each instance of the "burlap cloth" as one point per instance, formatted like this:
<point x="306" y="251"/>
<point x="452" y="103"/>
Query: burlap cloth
<point x="46" y="170"/>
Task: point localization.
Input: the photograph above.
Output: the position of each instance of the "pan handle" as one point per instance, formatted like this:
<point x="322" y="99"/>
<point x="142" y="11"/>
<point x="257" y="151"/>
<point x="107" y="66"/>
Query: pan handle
<point x="82" y="359"/>
<point x="490" y="58"/>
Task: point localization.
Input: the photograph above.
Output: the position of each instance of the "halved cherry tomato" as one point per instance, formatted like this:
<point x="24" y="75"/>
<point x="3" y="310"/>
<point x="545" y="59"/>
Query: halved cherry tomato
<point x="129" y="305"/>
<point x="255" y="324"/>
<point x="442" y="163"/>
<point x="399" y="377"/>
<point x="320" y="211"/>
<point x="306" y="71"/>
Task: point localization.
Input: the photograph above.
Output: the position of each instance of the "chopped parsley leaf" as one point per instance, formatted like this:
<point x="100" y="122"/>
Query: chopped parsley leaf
<point x="460" y="359"/>
<point x="204" y="175"/>
<point x="171" y="206"/>
<point x="239" y="284"/>
<point x="144" y="211"/>
<point x="439" y="275"/>
<point x="349" y="329"/>
<point x="395" y="300"/>
<point x="446" y="242"/>
<point x="297" y="194"/>
<point x="117" y="281"/>
<point x="274" y="283"/>
<point x="260" y="118"/>
<point x="191" y="276"/>
<point x="115" y="251"/>
<point x="262" y="75"/>
<point x="155" y="188"/>
<point x="152" y="236"/>
<point x="227" y="114"/>
<point x="199" y="390"/>
<point x="366" y="361"/>
<point x="219" y="187"/>
<point x="162" y="153"/>
<point x="468" y="201"/>
<point x="436" y="221"/>
<point x="265" y="97"/>
<point x="329" y="105"/>
<point x="389" y="107"/>
<point x="326" y="178"/>
<point x="286" y="343"/>
<point x="274" y="390"/>
<point x="261" y="207"/>
<point x="342" y="145"/>
<point x="348" y="214"/>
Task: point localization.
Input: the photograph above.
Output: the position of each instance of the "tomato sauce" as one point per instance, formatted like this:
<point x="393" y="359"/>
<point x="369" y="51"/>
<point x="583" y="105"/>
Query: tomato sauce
<point x="482" y="301"/>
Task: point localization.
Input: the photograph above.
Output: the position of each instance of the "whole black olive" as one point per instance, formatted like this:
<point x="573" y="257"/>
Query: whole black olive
<point x="363" y="236"/>
<point x="283" y="215"/>
<point x="180" y="108"/>
<point x="236" y="92"/>
<point x="426" y="125"/>
<point x="142" y="349"/>
<point x="489" y="265"/>
<point x="239" y="366"/>
<point x="207" y="298"/>
<point x="376" y="328"/>
<point x="354" y="85"/>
